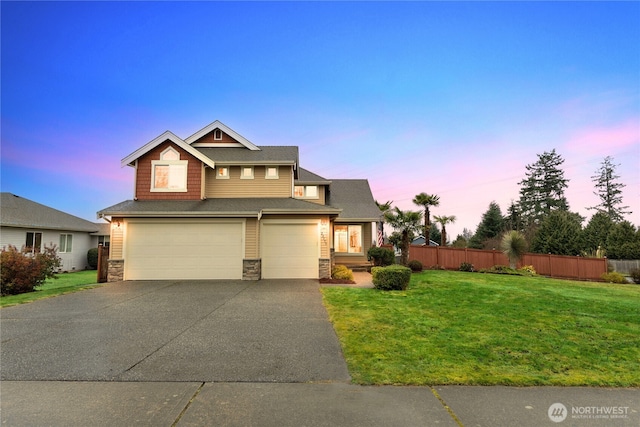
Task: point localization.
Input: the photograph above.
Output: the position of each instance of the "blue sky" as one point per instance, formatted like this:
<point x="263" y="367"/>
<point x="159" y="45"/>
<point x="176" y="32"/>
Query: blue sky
<point x="450" y="98"/>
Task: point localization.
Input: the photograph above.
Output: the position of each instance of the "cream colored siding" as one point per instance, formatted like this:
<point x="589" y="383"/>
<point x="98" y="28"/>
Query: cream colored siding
<point x="251" y="239"/>
<point x="259" y="186"/>
<point x="117" y="238"/>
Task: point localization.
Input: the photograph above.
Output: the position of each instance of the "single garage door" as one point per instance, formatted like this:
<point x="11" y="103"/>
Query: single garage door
<point x="183" y="250"/>
<point x="290" y="251"/>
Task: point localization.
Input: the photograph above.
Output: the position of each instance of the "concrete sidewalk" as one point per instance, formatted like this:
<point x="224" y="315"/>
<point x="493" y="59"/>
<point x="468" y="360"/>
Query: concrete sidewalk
<point x="55" y="403"/>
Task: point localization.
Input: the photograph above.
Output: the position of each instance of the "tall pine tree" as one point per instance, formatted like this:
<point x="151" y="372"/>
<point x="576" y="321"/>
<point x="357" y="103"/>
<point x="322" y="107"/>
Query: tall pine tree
<point x="609" y="191"/>
<point x="542" y="191"/>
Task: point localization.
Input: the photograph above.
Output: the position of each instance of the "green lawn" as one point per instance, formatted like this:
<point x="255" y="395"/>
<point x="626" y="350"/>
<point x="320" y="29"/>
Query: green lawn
<point x="471" y="328"/>
<point x="65" y="283"/>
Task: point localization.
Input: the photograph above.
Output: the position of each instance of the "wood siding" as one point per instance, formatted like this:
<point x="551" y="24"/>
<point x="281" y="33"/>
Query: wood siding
<point x="143" y="176"/>
<point x="209" y="139"/>
<point x="117" y="238"/>
<point x="259" y="186"/>
<point x="252" y="239"/>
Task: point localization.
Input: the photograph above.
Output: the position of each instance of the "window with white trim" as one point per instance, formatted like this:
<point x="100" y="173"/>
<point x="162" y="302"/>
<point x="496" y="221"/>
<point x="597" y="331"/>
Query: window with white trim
<point x="217" y="134"/>
<point x="104" y="240"/>
<point x="169" y="174"/>
<point x="246" y="172"/>
<point x="347" y="239"/>
<point x="66" y="241"/>
<point x="271" y="172"/>
<point x="306" y="191"/>
<point x="222" y="172"/>
<point x="34" y="242"/>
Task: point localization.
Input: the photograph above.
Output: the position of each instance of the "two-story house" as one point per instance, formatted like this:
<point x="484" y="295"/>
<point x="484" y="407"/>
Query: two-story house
<point x="216" y="206"/>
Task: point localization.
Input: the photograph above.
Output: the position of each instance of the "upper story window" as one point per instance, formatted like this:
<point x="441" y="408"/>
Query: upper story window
<point x="66" y="243"/>
<point x="169" y="174"/>
<point x="271" y="172"/>
<point x="222" y="172"/>
<point x="306" y="191"/>
<point x="217" y="134"/>
<point x="246" y="172"/>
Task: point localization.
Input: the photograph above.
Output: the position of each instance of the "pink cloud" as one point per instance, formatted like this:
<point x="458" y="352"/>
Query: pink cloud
<point x="605" y="140"/>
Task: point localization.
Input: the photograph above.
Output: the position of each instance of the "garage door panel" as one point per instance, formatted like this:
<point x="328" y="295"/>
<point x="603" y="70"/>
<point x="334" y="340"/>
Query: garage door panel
<point x="290" y="251"/>
<point x="184" y="251"/>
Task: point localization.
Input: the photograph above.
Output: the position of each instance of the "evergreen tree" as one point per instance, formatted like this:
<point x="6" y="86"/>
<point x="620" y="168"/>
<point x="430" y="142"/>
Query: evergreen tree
<point x="560" y="233"/>
<point x="609" y="191"/>
<point x="490" y="227"/>
<point x="513" y="220"/>
<point x="623" y="241"/>
<point x="596" y="233"/>
<point x="434" y="234"/>
<point x="542" y="191"/>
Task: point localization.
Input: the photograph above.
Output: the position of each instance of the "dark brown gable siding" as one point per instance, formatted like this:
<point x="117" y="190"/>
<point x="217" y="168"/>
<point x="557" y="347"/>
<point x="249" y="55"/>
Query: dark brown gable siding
<point x="208" y="138"/>
<point x="143" y="178"/>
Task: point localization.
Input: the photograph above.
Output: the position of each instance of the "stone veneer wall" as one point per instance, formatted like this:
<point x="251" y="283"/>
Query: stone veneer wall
<point x="251" y="269"/>
<point x="115" y="272"/>
<point x="325" y="268"/>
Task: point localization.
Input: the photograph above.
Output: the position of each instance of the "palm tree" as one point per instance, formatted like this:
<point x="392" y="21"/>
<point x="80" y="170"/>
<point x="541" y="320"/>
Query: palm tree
<point x="426" y="201"/>
<point x="384" y="207"/>
<point x="514" y="246"/>
<point x="443" y="221"/>
<point x="407" y="223"/>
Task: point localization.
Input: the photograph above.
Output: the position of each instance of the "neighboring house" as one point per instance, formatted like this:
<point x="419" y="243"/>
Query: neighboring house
<point x="102" y="236"/>
<point x="420" y="241"/>
<point x="25" y="223"/>
<point x="216" y="206"/>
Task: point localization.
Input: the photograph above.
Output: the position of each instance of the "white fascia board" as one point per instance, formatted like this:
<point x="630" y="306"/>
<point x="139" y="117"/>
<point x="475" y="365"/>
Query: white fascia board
<point x="184" y="214"/>
<point x="226" y="129"/>
<point x="168" y="135"/>
<point x="276" y="211"/>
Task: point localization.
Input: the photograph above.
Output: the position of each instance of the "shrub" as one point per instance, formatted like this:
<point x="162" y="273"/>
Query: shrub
<point x="635" y="275"/>
<point x="501" y="269"/>
<point x="92" y="258"/>
<point x="391" y="278"/>
<point x="341" y="272"/>
<point x="614" y="277"/>
<point x="465" y="266"/>
<point x="528" y="270"/>
<point x="22" y="271"/>
<point x="381" y="256"/>
<point x="415" y="265"/>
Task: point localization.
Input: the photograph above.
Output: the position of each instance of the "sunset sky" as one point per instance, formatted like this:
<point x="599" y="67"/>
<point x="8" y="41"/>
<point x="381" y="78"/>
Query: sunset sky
<point x="449" y="98"/>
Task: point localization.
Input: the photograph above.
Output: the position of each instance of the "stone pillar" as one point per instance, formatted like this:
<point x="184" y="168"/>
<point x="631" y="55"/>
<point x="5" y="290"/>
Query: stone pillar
<point x="251" y="269"/>
<point x="325" y="268"/>
<point x="116" y="270"/>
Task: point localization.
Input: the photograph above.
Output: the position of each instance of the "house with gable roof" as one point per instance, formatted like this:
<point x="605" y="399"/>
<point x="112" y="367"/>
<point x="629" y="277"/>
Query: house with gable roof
<point x="217" y="206"/>
<point x="28" y="224"/>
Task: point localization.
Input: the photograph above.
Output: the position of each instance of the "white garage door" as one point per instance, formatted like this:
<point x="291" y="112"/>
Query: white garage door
<point x="290" y="251"/>
<point x="185" y="250"/>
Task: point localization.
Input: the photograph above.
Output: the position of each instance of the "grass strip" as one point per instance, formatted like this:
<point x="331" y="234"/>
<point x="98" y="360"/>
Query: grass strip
<point x="485" y="329"/>
<point x="64" y="283"/>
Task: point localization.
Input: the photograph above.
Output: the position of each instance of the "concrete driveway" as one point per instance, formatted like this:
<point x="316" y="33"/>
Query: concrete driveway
<point x="233" y="331"/>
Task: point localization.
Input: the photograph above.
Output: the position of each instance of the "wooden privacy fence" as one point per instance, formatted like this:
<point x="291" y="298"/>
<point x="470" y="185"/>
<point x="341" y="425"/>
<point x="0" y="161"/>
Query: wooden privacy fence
<point x="566" y="267"/>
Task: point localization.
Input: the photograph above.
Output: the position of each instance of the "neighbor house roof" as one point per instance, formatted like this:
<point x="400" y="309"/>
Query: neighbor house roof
<point x="354" y="197"/>
<point x="216" y="207"/>
<point x="16" y="211"/>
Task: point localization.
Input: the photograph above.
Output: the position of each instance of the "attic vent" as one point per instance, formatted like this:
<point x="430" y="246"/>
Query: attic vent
<point x="217" y="134"/>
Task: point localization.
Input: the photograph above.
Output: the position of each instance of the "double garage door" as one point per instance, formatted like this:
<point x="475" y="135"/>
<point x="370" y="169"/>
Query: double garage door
<point x="183" y="250"/>
<point x="215" y="250"/>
